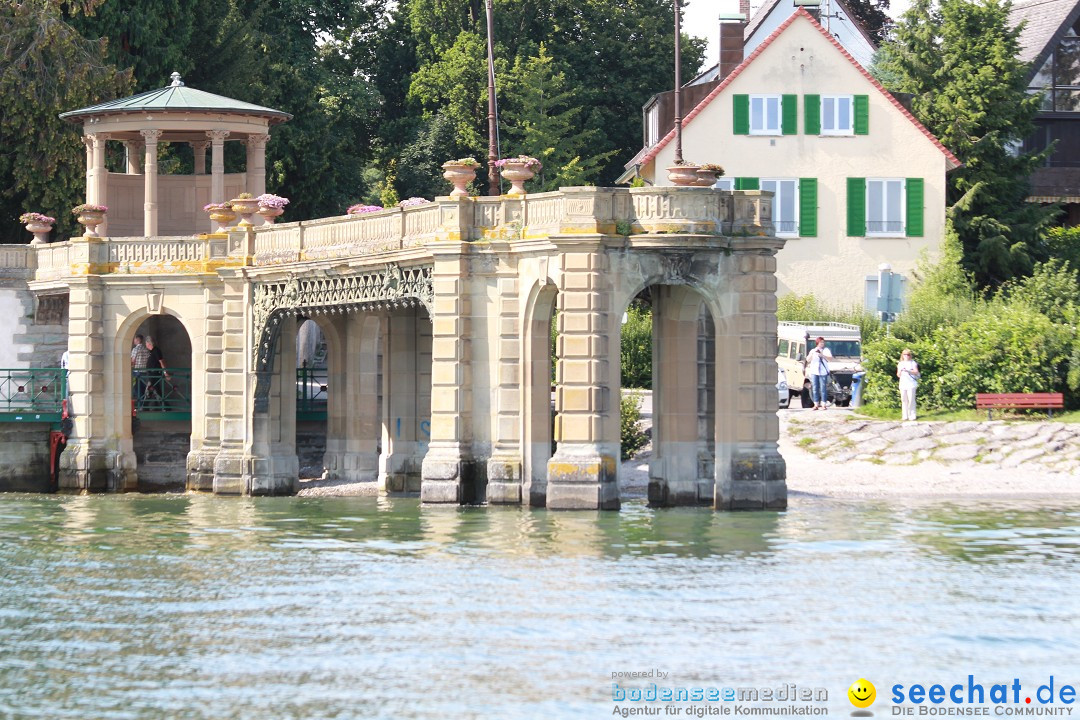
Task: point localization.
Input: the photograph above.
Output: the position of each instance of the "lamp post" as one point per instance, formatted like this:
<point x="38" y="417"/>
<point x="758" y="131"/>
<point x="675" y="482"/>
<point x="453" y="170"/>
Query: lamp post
<point x="493" y="175"/>
<point x="678" y="84"/>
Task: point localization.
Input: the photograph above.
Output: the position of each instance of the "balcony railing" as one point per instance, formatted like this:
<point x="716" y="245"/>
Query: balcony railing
<point x="32" y="395"/>
<point x="311" y="393"/>
<point x="162" y="394"/>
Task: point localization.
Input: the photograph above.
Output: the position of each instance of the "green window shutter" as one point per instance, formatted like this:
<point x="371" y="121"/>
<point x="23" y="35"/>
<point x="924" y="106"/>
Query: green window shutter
<point x="789" y="114"/>
<point x="745" y="183"/>
<point x="807" y="207"/>
<point x="915" y="194"/>
<point x="862" y="114"/>
<point x="856" y="207"/>
<point x="812" y="114"/>
<point x="741" y="105"/>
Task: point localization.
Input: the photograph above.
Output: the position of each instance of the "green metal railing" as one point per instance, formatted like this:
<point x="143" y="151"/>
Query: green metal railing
<point x="162" y="394"/>
<point x="311" y="393"/>
<point x="32" y="395"/>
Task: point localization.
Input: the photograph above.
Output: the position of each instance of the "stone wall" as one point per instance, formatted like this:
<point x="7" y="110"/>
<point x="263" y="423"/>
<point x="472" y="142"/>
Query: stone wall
<point x="310" y="447"/>
<point x="161" y="449"/>
<point x="24" y="457"/>
<point x="34" y="342"/>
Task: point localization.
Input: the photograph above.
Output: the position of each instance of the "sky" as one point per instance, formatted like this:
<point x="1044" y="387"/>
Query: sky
<point x="701" y="19"/>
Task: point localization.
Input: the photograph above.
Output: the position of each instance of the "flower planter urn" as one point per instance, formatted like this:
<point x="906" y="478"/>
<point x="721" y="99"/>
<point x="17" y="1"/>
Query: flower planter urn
<point x="517" y="173"/>
<point x="90" y="219"/>
<point x="683" y="175"/>
<point x="245" y="207"/>
<point x="459" y="176"/>
<point x="41" y="232"/>
<point x="222" y="216"/>
<point x="269" y="214"/>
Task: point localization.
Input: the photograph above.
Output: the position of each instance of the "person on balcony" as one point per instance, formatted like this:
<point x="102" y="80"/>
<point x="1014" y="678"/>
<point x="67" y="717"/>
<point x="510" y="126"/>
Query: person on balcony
<point x="140" y="355"/>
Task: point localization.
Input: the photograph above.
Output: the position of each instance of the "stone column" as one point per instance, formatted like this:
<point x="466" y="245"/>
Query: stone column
<point x="353" y="453"/>
<point x="217" y="168"/>
<point x="95" y="459"/>
<point x="271" y="466"/>
<point x="673" y="472"/>
<point x="150" y="204"/>
<point x="750" y="473"/>
<point x="406" y="401"/>
<point x="504" y="467"/>
<point x="132" y="150"/>
<point x="256" y="164"/>
<point x="91" y="191"/>
<point x="100" y="179"/>
<point x="219" y="464"/>
<point x="583" y="473"/>
<point x="199" y="149"/>
<point x="450" y="473"/>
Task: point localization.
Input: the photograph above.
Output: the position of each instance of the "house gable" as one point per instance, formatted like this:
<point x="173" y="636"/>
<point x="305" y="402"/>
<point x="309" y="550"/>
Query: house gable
<point x="798" y="57"/>
<point x="1045" y="22"/>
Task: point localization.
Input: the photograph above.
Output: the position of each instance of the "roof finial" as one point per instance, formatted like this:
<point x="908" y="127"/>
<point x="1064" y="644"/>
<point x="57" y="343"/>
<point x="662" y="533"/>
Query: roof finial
<point x="176" y="81"/>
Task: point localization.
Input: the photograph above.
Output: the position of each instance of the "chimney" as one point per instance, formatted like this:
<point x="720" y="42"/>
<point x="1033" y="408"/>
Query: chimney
<point x="732" y="28"/>
<point x="744" y="9"/>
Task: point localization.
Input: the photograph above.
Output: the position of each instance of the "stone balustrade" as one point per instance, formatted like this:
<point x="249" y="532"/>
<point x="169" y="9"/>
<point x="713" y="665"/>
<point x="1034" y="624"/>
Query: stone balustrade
<point x="568" y="211"/>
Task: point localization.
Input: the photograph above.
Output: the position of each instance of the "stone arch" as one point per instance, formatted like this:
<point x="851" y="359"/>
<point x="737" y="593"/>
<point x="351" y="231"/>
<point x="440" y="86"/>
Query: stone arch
<point x="537" y="417"/>
<point x="160" y="434"/>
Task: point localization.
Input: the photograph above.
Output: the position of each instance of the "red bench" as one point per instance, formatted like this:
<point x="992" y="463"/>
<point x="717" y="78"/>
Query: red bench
<point x="1019" y="401"/>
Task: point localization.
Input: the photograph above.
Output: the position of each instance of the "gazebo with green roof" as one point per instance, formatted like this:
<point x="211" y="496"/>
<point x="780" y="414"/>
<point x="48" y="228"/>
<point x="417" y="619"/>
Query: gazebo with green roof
<point x="171" y="204"/>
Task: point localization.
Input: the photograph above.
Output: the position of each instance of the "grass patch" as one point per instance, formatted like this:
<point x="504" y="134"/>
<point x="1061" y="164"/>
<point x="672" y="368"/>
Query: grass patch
<point x="806" y="442"/>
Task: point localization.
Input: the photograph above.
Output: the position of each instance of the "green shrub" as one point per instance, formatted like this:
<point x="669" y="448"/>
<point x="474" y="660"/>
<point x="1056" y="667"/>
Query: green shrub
<point x="632" y="438"/>
<point x="636" y="347"/>
<point x="1063" y="244"/>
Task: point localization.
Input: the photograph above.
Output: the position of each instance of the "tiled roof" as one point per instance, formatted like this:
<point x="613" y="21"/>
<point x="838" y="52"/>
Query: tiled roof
<point x="953" y="161"/>
<point x="1044" y="23"/>
<point x="177" y="98"/>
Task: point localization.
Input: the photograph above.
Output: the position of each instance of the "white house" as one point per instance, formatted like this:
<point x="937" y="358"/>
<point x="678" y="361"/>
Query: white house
<point x="858" y="181"/>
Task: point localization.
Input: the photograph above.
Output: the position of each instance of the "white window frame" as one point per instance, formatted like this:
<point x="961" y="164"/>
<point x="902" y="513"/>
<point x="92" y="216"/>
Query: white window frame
<point x="764" y="101"/>
<point x="850" y="129"/>
<point x="902" y="231"/>
<point x="724" y="183"/>
<point x="792" y="230"/>
<point x="652" y="125"/>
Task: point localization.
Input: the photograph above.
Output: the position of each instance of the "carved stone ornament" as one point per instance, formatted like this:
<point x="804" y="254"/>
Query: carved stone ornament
<point x="388" y="289"/>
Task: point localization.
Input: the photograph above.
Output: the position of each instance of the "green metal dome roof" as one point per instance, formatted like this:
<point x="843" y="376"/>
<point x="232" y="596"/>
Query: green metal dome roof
<point x="176" y="98"/>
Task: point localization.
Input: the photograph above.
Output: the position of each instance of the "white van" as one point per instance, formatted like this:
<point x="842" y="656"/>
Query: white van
<point x="842" y="340"/>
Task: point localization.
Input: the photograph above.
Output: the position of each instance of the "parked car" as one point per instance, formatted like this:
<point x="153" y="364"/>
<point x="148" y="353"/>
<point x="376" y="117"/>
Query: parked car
<point x="781" y="387"/>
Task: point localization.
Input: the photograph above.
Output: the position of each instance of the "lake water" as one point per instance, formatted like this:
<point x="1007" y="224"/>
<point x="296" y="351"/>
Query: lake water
<point x="200" y="607"/>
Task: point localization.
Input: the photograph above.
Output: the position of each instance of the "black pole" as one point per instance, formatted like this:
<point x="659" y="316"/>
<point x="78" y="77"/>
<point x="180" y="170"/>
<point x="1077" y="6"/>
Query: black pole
<point x="493" y="175"/>
<point x="678" y="84"/>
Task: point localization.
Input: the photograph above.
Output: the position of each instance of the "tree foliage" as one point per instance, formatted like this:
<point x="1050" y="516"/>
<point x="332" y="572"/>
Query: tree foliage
<point x="46" y="66"/>
<point x="873" y="16"/>
<point x="959" y="61"/>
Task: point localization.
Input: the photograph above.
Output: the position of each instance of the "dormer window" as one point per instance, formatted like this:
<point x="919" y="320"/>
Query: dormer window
<point x="652" y="125"/>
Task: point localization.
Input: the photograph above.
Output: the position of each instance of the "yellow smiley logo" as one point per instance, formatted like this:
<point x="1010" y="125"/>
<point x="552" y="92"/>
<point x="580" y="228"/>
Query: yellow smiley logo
<point x="862" y="693"/>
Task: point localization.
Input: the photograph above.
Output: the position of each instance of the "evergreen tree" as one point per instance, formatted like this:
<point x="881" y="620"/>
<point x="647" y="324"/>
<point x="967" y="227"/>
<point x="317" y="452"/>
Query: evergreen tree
<point x="873" y="16"/>
<point x="46" y="67"/>
<point x="959" y="61"/>
<point x="542" y="119"/>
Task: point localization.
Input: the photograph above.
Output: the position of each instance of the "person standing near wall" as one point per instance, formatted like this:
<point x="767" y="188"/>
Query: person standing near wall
<point x="155" y="368"/>
<point x="817" y="369"/>
<point x="140" y="355"/>
<point x="908" y="372"/>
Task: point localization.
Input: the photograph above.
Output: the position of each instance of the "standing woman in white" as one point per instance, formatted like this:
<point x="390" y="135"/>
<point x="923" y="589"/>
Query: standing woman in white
<point x="908" y="372"/>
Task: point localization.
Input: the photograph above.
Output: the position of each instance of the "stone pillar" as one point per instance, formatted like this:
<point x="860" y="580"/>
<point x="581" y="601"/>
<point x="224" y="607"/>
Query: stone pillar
<point x="95" y="459"/>
<point x="91" y="191"/>
<point x="132" y="150"/>
<point x="150" y="194"/>
<point x="199" y="149"/>
<point x="352" y="449"/>
<point x="450" y="473"/>
<point x="207" y="352"/>
<point x="270" y="463"/>
<point x="583" y="473"/>
<point x="673" y="471"/>
<point x="256" y="164"/>
<point x="750" y="473"/>
<point x="217" y="168"/>
<point x="504" y="466"/>
<point x="219" y="464"/>
<point x="406" y="401"/>
<point x="100" y="181"/>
